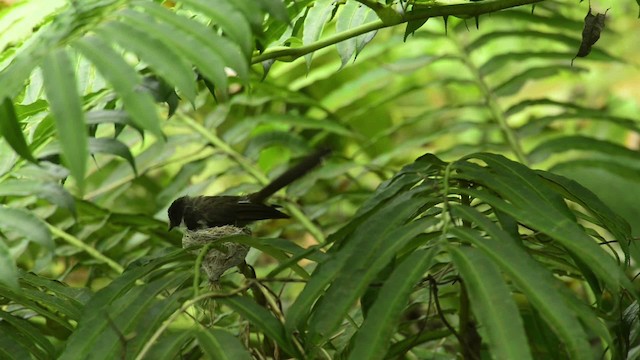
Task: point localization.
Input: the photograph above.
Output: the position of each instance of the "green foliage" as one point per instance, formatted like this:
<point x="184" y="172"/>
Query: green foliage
<point x="112" y="109"/>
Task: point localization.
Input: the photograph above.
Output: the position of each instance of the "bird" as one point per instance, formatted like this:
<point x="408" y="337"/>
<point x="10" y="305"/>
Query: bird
<point x="202" y="212"/>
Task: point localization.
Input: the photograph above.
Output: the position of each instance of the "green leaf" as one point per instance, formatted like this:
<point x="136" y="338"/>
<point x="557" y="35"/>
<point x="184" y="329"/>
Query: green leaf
<point x="12" y="132"/>
<point x="171" y="343"/>
<point x="124" y="307"/>
<point x="21" y="20"/>
<point x="529" y="103"/>
<point x="219" y="344"/>
<point x="13" y="346"/>
<point x="205" y="59"/>
<point x="535" y="125"/>
<point x="285" y="139"/>
<point x="116" y="117"/>
<point x="277" y="9"/>
<point x="513" y="85"/>
<point x="534" y="204"/>
<point x="412" y="26"/>
<point x="492" y="304"/>
<point x="566" y="167"/>
<point x="13" y="76"/>
<point x="481" y="41"/>
<point x="535" y="281"/>
<point x="314" y="23"/>
<point x="62" y="92"/>
<point x="579" y="194"/>
<point x="41" y="305"/>
<point x="8" y="268"/>
<point x="355" y="264"/>
<point x="373" y="81"/>
<point x="260" y="318"/>
<point x="39" y="343"/>
<point x="209" y="52"/>
<point x="348" y="17"/>
<point x="374" y="336"/>
<point x="240" y="131"/>
<point x="370" y="16"/>
<point x="63" y="306"/>
<point x="577" y="142"/>
<point x="77" y="296"/>
<point x="125" y="81"/>
<point x="229" y="19"/>
<point x="34" y="108"/>
<point x="499" y="62"/>
<point x="50" y="191"/>
<point x="162" y="58"/>
<point x="150" y="313"/>
<point x="390" y="214"/>
<point x="113" y="147"/>
<point x="27" y="225"/>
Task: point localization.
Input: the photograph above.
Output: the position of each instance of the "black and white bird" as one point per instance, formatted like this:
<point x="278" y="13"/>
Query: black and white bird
<point x="202" y="212"/>
<point x="210" y="218"/>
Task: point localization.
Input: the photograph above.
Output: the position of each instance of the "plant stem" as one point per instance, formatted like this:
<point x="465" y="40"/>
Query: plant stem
<point x="492" y="104"/>
<point x="85" y="247"/>
<point x="419" y="12"/>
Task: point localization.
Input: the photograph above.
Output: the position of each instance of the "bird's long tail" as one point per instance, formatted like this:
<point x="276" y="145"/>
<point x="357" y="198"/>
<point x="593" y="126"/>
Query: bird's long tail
<point x="291" y="175"/>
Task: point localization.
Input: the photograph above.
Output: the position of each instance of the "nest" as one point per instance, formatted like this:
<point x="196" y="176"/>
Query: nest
<point x="224" y="256"/>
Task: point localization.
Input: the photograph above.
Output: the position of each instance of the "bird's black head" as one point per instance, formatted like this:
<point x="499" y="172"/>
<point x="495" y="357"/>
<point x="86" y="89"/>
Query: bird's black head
<point x="176" y="212"/>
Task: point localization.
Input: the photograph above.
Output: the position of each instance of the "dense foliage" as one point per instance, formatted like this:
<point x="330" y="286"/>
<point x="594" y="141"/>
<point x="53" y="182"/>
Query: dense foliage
<point x="480" y="201"/>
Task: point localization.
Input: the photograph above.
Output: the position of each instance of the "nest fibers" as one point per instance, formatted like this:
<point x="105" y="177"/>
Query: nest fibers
<point x="224" y="255"/>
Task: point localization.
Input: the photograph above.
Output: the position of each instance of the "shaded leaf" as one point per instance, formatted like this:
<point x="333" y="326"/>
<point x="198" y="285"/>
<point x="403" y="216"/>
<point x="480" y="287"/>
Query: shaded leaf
<point x="498" y="62"/>
<point x="369" y="16"/>
<point x="50" y="191"/>
<point x="193" y="40"/>
<point x="125" y="81"/>
<point x="412" y="26"/>
<point x="113" y="147"/>
<point x="535" y="125"/>
<point x="567" y="143"/>
<point x="529" y="276"/>
<point x="12" y="132"/>
<point x="162" y="58"/>
<point x="229" y="19"/>
<point x="39" y="343"/>
<point x="374" y="336"/>
<point x="219" y="50"/>
<point x="492" y="304"/>
<point x="124" y="307"/>
<point x="534" y="204"/>
<point x="276" y="8"/>
<point x="513" y="85"/>
<point x="285" y="139"/>
<point x="354" y="265"/>
<point x="116" y="117"/>
<point x="171" y="343"/>
<point x="13" y="346"/>
<point x="346" y="20"/>
<point x="314" y="23"/>
<point x="219" y="344"/>
<point x="483" y="40"/>
<point x="8" y="268"/>
<point x="260" y="318"/>
<point x="13" y="76"/>
<point x="27" y="225"/>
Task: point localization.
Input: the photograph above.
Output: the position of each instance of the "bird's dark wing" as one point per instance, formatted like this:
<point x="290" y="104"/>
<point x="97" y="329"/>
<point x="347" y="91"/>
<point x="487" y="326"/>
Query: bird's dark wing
<point x="209" y="211"/>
